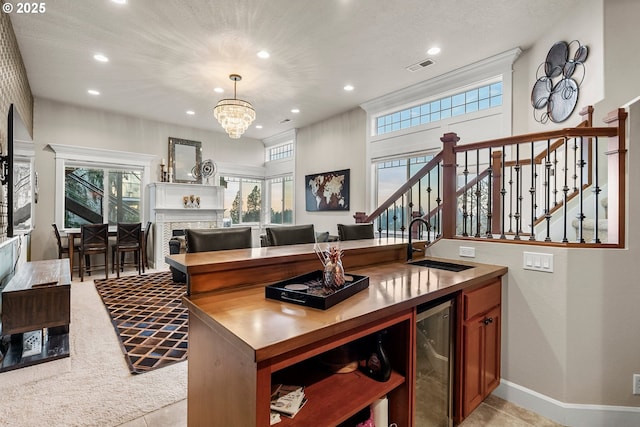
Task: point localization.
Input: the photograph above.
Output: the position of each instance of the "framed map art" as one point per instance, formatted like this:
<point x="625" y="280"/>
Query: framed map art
<point x="327" y="191"/>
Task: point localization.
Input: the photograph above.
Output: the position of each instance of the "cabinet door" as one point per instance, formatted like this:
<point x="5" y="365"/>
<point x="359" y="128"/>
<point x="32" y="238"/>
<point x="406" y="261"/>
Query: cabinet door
<point x="491" y="366"/>
<point x="472" y="367"/>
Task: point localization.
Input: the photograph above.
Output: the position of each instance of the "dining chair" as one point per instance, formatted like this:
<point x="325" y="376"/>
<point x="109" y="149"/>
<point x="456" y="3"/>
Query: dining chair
<point x="94" y="240"/>
<point x="128" y="239"/>
<point x="63" y="250"/>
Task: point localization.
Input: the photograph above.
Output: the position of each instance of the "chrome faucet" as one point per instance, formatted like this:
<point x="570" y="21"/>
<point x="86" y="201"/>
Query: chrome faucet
<point x="410" y="248"/>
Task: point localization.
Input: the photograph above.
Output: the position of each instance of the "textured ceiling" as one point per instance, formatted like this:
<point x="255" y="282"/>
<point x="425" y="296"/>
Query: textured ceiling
<point x="166" y="56"/>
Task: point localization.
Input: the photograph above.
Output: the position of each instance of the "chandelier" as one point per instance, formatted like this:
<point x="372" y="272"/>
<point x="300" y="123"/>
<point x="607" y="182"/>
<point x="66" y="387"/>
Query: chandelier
<point x="235" y="115"/>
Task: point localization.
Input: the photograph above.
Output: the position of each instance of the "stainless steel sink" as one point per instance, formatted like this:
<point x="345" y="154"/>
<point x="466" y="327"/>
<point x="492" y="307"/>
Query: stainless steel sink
<point x="441" y="265"/>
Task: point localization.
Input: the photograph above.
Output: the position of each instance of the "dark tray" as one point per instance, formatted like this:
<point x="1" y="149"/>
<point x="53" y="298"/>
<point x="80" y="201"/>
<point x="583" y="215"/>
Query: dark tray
<point x="317" y="296"/>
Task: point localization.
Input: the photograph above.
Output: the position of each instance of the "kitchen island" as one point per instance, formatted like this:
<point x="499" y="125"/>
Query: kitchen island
<point x="240" y="343"/>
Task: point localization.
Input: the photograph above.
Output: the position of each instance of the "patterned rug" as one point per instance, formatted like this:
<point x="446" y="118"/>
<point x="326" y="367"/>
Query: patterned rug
<point x="149" y="318"/>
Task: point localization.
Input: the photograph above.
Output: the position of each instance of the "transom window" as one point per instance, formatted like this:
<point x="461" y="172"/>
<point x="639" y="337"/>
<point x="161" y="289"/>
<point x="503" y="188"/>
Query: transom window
<point x="283" y="151"/>
<point x="469" y="101"/>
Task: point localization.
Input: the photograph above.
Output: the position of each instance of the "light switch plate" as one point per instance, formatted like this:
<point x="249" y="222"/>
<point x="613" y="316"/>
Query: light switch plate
<point x="467" y="251"/>
<point x="537" y="261"/>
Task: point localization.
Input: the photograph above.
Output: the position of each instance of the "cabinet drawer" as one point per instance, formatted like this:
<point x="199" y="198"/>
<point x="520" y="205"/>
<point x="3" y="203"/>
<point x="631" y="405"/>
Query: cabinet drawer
<point x="481" y="300"/>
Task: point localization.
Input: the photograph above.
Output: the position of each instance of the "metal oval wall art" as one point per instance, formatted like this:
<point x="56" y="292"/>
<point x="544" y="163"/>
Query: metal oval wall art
<point x="555" y="93"/>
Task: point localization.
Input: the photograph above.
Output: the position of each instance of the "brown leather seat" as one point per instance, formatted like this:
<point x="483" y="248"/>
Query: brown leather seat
<point x="210" y="239"/>
<point x="217" y="239"/>
<point x="355" y="231"/>
<point x="290" y="235"/>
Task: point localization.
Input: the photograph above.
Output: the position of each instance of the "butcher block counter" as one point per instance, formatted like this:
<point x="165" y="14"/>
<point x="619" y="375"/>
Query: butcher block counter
<point x="240" y="343"/>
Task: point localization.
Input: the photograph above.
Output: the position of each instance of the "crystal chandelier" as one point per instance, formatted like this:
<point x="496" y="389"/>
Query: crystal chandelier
<point x="235" y="115"/>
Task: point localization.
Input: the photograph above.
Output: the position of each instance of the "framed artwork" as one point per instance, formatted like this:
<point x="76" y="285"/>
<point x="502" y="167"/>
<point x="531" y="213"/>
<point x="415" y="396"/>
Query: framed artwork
<point x="327" y="191"/>
<point x="185" y="158"/>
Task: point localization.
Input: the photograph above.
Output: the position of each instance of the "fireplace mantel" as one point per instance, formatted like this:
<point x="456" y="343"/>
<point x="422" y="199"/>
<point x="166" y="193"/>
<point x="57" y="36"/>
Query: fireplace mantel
<point x="168" y="212"/>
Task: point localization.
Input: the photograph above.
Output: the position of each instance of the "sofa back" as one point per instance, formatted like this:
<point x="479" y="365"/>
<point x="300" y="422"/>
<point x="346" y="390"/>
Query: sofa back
<point x="217" y="239"/>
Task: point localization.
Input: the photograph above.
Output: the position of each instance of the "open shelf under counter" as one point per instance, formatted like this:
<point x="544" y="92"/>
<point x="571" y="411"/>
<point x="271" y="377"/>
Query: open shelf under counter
<point x="333" y="398"/>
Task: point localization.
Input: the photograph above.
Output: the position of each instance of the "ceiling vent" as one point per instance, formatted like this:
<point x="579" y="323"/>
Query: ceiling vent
<point x="420" y="65"/>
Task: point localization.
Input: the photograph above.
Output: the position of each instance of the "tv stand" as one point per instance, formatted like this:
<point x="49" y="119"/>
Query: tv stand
<point x="36" y="299"/>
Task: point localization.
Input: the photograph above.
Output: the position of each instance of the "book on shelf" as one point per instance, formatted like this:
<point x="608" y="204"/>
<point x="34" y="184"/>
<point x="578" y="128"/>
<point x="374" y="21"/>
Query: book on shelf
<point x="287" y="399"/>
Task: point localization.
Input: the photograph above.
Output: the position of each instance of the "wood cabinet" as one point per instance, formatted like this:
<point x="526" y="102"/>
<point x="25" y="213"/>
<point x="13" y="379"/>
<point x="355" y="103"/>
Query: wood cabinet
<point x="244" y="396"/>
<point x="479" y="346"/>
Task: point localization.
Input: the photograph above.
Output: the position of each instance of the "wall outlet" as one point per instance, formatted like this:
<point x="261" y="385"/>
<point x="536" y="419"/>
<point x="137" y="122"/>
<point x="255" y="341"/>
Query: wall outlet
<point x="467" y="251"/>
<point x="636" y="383"/>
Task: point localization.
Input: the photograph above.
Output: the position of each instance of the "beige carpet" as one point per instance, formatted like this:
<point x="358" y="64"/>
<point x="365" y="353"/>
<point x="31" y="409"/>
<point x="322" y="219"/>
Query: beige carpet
<point x="93" y="387"/>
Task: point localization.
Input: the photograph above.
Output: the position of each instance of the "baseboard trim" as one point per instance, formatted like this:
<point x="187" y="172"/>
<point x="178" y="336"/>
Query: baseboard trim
<point x="568" y="414"/>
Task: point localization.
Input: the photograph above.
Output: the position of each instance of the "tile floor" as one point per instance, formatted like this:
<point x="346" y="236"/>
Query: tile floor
<point x="493" y="412"/>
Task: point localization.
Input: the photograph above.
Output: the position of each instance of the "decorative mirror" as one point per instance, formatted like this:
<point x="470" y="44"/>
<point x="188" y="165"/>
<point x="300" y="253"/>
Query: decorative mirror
<point x="185" y="157"/>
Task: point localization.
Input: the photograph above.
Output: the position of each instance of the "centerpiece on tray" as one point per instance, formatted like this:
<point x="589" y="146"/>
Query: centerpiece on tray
<point x="322" y="288"/>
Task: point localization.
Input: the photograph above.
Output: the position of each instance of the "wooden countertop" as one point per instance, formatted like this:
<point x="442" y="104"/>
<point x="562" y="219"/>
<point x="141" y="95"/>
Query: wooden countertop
<point x="265" y="328"/>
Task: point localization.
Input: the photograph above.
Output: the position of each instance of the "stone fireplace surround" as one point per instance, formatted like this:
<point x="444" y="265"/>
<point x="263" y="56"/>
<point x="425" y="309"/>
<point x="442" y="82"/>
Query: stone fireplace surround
<point x="168" y="213"/>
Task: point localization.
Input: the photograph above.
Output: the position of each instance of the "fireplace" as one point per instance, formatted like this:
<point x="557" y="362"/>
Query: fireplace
<point x="179" y="206"/>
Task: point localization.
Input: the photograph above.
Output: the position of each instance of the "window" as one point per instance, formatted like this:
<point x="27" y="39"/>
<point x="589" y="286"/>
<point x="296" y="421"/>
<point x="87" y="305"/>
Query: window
<point x="391" y="175"/>
<point x="99" y="186"/>
<point x="242" y="199"/>
<point x="281" y="200"/>
<point x="22" y="195"/>
<point x="92" y="193"/>
<point x="278" y="152"/>
<point x="465" y="102"/>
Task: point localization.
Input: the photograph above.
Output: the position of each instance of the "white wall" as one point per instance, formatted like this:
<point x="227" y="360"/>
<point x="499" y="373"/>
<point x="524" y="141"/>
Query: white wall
<point x="58" y="123"/>
<point x="334" y="144"/>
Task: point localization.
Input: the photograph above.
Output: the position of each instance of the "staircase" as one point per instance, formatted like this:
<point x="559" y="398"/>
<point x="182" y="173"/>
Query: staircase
<point x="519" y="188"/>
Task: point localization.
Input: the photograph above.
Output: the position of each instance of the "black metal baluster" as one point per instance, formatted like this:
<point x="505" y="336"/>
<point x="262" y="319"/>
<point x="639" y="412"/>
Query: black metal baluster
<point x="596" y="193"/>
<point x="429" y="203"/>
<point x="465" y="172"/>
<point x="581" y="216"/>
<point x="547" y="191"/>
<point x="511" y="198"/>
<point x="478" y="192"/>
<point x="489" y="234"/>
<point x="503" y="193"/>
<point x="554" y="172"/>
<point x="575" y="164"/>
<point x="565" y="192"/>
<point x="532" y="192"/>
<point x="395" y="218"/>
<point x="438" y="201"/>
<point x="518" y="194"/>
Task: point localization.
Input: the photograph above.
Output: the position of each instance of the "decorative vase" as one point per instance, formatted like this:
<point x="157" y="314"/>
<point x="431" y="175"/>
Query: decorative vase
<point x="333" y="275"/>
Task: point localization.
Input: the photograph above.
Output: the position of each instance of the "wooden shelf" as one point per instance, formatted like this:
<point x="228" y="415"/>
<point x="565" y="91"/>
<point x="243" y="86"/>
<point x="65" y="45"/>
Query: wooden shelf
<point x="334" y="398"/>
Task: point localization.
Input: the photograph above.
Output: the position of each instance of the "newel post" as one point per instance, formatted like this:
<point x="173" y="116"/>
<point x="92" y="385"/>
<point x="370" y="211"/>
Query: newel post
<point x="616" y="164"/>
<point x="449" y="200"/>
<point x="360" y="217"/>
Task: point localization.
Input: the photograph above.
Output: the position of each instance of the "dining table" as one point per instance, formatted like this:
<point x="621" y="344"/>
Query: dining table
<point x="74" y="233"/>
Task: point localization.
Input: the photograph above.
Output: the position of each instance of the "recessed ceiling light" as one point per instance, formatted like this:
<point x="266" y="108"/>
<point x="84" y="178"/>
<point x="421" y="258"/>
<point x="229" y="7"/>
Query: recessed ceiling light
<point x="218" y="90"/>
<point x="93" y="92"/>
<point x="100" y="57"/>
<point x="433" y="51"/>
<point x="348" y="88"/>
<point x="120" y="1"/>
<point x="263" y="54"/>
<point x="190" y="112"/>
<point x="258" y="126"/>
<point x="295" y="110"/>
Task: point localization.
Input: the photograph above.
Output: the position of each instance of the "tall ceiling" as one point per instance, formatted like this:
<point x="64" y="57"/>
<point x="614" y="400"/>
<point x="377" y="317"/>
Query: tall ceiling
<point x="167" y="56"/>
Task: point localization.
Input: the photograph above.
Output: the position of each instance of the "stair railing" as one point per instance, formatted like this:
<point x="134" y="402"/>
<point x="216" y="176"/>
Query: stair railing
<point x="524" y="187"/>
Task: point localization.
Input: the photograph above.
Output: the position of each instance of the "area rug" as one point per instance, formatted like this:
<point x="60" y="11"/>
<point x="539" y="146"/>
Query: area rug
<point x="149" y="318"/>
